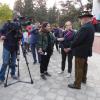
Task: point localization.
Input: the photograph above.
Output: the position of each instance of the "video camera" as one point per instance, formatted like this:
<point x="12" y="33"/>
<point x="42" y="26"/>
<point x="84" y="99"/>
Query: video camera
<point x="24" y="20"/>
<point x="15" y="28"/>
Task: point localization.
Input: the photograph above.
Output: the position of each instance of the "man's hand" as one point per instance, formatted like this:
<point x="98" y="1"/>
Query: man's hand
<point x="3" y="37"/>
<point x="67" y="50"/>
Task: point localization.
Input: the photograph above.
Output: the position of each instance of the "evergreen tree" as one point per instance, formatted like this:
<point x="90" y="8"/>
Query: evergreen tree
<point x="69" y="12"/>
<point x="53" y="15"/>
<point x="40" y="10"/>
<point x="18" y="6"/>
<point x="28" y="9"/>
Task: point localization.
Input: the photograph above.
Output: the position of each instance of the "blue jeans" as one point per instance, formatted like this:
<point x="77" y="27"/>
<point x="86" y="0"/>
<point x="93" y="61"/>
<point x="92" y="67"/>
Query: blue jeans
<point x="34" y="50"/>
<point x="7" y="55"/>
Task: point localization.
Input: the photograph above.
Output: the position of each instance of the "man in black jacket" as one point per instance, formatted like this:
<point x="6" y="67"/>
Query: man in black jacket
<point x="83" y="49"/>
<point x="10" y="35"/>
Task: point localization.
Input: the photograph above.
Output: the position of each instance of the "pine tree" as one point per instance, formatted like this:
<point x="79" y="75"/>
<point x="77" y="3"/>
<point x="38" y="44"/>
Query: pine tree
<point x="40" y="10"/>
<point x="53" y="15"/>
<point x="28" y="9"/>
<point x="18" y="6"/>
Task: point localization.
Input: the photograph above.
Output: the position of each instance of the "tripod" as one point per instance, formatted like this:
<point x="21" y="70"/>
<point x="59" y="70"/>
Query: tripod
<point x="27" y="64"/>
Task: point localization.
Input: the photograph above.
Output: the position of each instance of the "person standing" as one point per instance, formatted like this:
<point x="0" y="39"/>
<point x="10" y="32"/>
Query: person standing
<point x="56" y="33"/>
<point x="45" y="48"/>
<point x="68" y="37"/>
<point x="33" y="43"/>
<point x="83" y="49"/>
<point x="10" y="35"/>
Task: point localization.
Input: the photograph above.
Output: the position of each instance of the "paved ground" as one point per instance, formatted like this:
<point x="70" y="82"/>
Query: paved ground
<point x="55" y="88"/>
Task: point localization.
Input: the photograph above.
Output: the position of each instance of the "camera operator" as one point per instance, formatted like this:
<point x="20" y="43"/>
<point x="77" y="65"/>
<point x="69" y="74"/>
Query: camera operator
<point x="10" y="34"/>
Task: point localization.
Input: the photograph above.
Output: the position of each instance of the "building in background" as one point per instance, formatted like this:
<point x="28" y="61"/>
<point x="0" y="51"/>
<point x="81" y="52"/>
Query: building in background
<point x="96" y="9"/>
<point x="96" y="13"/>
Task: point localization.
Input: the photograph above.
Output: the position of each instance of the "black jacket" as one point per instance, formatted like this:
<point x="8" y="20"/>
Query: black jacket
<point x="84" y="41"/>
<point x="66" y="43"/>
<point x="10" y="30"/>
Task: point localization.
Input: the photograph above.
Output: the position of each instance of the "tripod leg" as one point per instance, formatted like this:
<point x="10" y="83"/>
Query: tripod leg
<point x="18" y="53"/>
<point x="28" y="70"/>
<point x="30" y="74"/>
<point x="5" y="84"/>
<point x="18" y="70"/>
<point x="24" y="54"/>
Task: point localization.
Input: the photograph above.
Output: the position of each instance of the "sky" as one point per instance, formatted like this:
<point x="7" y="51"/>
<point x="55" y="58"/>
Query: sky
<point x="50" y="3"/>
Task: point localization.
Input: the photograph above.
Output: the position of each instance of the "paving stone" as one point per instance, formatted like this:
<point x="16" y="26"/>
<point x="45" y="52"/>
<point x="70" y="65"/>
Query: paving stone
<point x="62" y="92"/>
<point x="55" y="87"/>
<point x="81" y="97"/>
<point x="97" y="99"/>
<point x="91" y="98"/>
<point x="59" y="98"/>
<point x="70" y="98"/>
<point x="51" y="96"/>
<point x="38" y="98"/>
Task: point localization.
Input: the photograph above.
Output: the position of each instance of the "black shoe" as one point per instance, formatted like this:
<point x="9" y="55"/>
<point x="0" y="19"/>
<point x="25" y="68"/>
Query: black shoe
<point x="34" y="62"/>
<point x="14" y="77"/>
<point x="47" y="74"/>
<point x="43" y="77"/>
<point x="84" y="82"/>
<point x="73" y="86"/>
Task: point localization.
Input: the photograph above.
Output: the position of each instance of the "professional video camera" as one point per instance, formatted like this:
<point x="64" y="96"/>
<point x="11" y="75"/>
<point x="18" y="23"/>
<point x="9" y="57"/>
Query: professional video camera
<point x="25" y="20"/>
<point x="15" y="29"/>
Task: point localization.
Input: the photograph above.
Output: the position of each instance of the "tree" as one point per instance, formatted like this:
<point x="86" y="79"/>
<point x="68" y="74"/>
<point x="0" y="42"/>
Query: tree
<point x="89" y="5"/>
<point x="5" y="13"/>
<point x="53" y="15"/>
<point x="39" y="3"/>
<point x="28" y="9"/>
<point x="32" y="8"/>
<point x="40" y="10"/>
<point x="41" y="14"/>
<point x="68" y="12"/>
<point x="18" y="6"/>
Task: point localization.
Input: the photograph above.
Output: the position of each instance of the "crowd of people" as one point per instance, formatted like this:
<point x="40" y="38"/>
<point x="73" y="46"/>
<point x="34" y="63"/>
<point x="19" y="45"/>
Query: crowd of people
<point x="40" y="40"/>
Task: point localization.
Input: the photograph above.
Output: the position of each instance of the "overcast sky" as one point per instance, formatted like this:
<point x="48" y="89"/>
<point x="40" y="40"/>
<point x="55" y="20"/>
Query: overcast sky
<point x="50" y="3"/>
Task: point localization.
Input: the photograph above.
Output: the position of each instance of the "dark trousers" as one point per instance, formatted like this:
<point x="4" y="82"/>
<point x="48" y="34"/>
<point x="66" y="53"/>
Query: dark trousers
<point x="80" y="70"/>
<point x="6" y="59"/>
<point x="70" y="57"/>
<point x="34" y="51"/>
<point x="57" y="45"/>
<point x="44" y="63"/>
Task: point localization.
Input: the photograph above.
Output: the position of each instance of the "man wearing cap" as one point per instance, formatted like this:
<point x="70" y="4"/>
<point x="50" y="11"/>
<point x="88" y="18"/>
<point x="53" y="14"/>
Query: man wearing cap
<point x="83" y="49"/>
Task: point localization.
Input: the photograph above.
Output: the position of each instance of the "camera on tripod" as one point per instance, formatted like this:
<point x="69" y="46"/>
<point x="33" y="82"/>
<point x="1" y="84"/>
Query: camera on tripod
<point x="14" y="30"/>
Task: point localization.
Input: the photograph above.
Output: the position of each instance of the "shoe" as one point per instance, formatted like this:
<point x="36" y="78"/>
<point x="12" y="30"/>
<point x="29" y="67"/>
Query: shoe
<point x="47" y="74"/>
<point x="1" y="82"/>
<point x="84" y="82"/>
<point x="43" y="77"/>
<point x="34" y="62"/>
<point x="68" y="75"/>
<point x="14" y="77"/>
<point x="73" y="86"/>
<point x="61" y="72"/>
